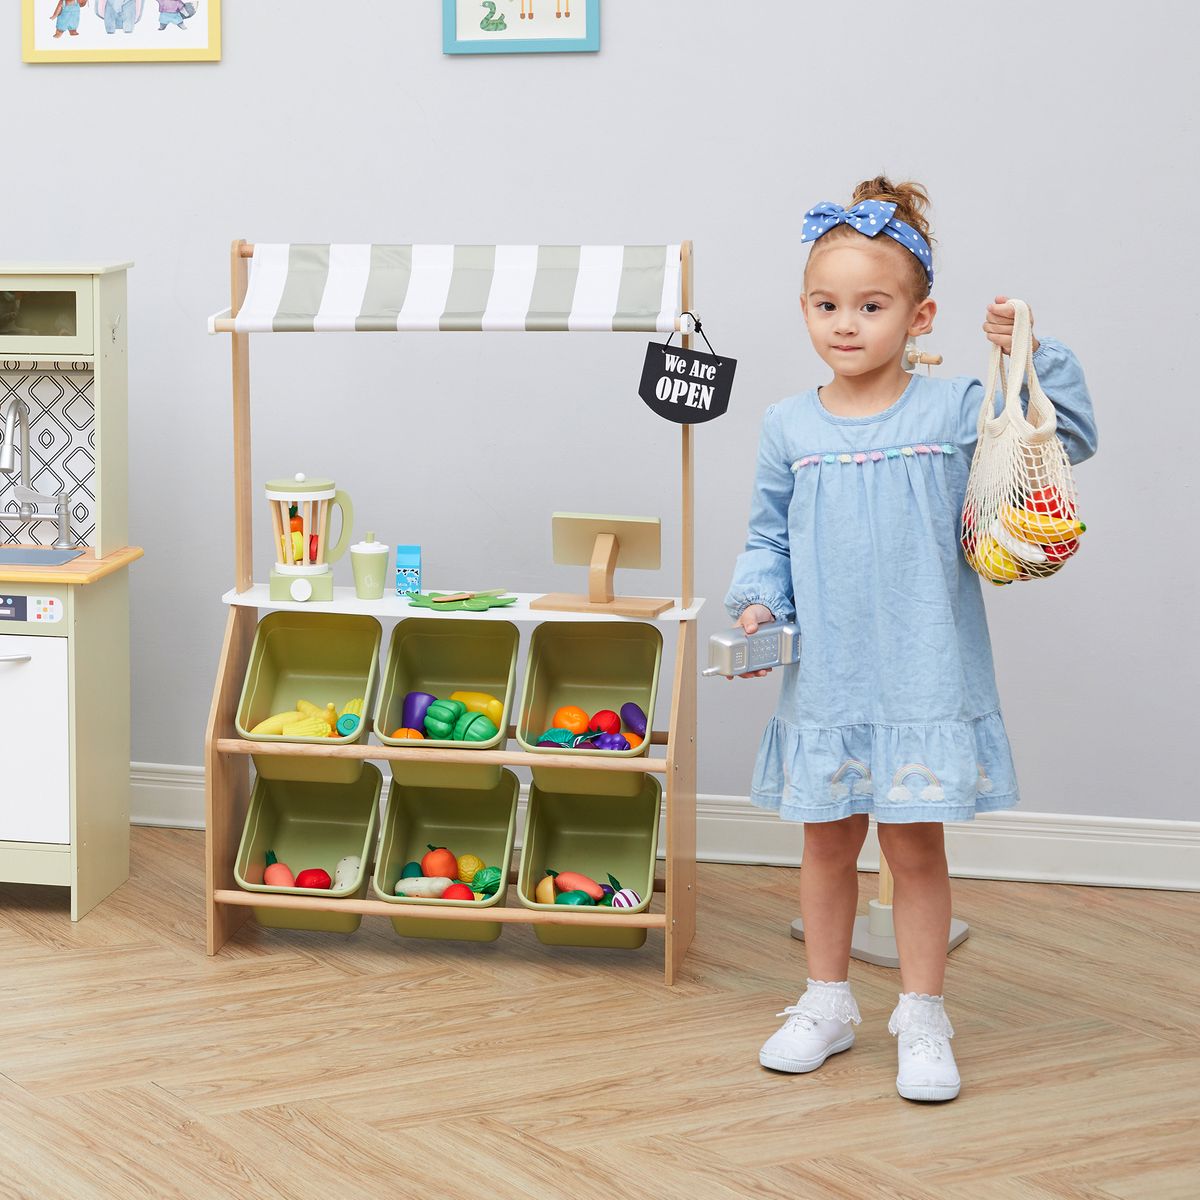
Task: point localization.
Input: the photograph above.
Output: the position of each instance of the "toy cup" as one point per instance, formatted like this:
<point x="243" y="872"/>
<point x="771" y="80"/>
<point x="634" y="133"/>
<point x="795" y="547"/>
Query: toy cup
<point x="301" y="509"/>
<point x="370" y="562"/>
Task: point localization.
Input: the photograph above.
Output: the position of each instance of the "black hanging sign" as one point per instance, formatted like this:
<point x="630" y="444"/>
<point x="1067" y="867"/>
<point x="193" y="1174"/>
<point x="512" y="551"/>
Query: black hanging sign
<point x="686" y="386"/>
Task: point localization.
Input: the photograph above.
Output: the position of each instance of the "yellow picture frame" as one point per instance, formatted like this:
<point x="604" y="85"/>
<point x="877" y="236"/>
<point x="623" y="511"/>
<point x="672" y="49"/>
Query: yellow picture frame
<point x="92" y="42"/>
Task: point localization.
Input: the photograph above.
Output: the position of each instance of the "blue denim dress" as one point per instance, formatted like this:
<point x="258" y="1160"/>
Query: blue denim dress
<point x="854" y="527"/>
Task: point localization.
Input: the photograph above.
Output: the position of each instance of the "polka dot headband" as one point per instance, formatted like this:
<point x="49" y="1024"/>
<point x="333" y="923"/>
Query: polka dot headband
<point x="869" y="217"/>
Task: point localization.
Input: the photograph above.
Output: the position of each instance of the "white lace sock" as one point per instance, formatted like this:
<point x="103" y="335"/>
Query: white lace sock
<point x="829" y="1001"/>
<point x="922" y="1013"/>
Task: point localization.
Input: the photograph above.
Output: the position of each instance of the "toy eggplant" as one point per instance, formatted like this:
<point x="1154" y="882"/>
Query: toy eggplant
<point x="416" y="705"/>
<point x="441" y="717"/>
<point x="634" y="718"/>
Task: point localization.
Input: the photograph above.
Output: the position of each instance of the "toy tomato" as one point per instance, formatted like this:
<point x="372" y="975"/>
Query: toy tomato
<point x="296" y="524"/>
<point x="605" y="721"/>
<point x="439" y="861"/>
<point x="314" y="877"/>
<point x="458" y="891"/>
<point x="1049" y="500"/>
<point x="1061" y="551"/>
<point x="571" y="717"/>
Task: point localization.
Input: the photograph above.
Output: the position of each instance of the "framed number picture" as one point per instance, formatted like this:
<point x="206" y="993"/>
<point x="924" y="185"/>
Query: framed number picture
<point x="520" y="26"/>
<point x="61" y="31"/>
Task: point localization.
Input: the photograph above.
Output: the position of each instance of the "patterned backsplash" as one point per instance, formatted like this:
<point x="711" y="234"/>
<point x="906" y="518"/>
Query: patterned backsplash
<point x="62" y="445"/>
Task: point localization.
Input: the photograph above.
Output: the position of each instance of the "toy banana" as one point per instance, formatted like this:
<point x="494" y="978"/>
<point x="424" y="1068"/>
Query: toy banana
<point x="307" y="727"/>
<point x="276" y="723"/>
<point x="1039" y="527"/>
<point x="1024" y="551"/>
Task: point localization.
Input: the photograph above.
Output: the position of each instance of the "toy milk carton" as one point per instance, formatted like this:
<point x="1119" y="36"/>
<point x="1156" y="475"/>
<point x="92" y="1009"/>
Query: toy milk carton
<point x="408" y="569"/>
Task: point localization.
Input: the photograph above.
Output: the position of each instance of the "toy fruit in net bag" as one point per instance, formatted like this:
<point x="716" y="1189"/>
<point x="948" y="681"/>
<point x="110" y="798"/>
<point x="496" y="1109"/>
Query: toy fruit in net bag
<point x="1019" y="518"/>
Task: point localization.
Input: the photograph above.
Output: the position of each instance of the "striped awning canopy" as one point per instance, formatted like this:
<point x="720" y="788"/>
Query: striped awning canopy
<point x="367" y="288"/>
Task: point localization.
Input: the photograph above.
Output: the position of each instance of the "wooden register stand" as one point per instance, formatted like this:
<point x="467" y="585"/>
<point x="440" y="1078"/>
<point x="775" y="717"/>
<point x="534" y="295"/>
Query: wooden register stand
<point x="461" y="288"/>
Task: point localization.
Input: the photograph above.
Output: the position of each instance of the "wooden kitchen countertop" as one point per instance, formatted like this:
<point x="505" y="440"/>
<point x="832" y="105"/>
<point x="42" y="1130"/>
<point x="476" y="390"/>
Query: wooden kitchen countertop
<point x="87" y="568"/>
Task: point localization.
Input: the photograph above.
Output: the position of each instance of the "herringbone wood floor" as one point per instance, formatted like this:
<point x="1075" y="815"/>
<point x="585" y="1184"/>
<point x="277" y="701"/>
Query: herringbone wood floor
<point x="303" y="1065"/>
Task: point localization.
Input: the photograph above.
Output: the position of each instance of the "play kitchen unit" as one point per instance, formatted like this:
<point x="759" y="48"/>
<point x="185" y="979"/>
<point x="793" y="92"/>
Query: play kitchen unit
<point x="311" y="691"/>
<point x="64" y="598"/>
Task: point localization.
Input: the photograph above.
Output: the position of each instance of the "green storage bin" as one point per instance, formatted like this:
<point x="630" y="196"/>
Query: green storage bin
<point x="439" y="657"/>
<point x="309" y="825"/>
<point x="467" y="821"/>
<point x="320" y="657"/>
<point x="595" y="665"/>
<point x="597" y="836"/>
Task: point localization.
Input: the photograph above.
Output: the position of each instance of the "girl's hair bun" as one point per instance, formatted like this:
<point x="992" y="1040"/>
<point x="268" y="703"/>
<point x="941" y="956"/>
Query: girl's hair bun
<point x="910" y="198"/>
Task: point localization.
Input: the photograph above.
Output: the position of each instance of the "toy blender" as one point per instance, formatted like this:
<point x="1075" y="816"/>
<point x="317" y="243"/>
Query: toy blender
<point x="300" y="513"/>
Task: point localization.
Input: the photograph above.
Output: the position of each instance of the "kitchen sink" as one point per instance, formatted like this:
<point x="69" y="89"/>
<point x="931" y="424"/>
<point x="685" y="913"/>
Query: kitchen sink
<point x="35" y="556"/>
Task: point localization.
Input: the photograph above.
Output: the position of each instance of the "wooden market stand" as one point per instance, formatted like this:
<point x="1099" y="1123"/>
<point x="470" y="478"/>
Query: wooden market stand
<point x="618" y="272"/>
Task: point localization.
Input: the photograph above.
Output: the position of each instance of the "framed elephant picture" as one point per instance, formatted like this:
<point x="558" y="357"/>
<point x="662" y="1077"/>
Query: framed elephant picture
<point x="61" y="31"/>
<point x="520" y="26"/>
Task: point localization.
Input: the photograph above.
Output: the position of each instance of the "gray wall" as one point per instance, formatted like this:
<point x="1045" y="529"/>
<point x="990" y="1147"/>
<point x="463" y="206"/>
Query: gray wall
<point x="1057" y="144"/>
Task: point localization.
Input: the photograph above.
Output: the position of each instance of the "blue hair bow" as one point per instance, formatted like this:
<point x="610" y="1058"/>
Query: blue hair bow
<point x="869" y="217"/>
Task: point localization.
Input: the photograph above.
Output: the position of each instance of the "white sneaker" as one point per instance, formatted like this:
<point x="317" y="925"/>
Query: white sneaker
<point x="817" y="1025"/>
<point x="927" y="1070"/>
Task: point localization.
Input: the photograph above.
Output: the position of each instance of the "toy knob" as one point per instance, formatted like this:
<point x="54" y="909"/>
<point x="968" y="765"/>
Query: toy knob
<point x="300" y="477"/>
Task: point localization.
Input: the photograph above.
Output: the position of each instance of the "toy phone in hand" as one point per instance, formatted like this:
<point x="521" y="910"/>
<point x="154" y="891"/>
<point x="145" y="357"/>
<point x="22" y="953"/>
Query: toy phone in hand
<point x="735" y="652"/>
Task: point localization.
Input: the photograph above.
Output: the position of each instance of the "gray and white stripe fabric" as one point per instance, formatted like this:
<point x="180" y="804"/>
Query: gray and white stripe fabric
<point x="360" y="288"/>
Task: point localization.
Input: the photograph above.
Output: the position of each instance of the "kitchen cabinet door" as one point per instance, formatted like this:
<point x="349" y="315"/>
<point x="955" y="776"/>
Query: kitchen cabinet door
<point x="35" y="769"/>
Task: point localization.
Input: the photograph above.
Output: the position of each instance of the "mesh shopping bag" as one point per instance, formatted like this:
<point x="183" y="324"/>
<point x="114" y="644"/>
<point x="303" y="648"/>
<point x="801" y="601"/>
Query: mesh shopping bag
<point x="1019" y="518"/>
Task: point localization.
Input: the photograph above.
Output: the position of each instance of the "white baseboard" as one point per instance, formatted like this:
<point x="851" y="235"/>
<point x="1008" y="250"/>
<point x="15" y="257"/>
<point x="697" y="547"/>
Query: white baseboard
<point x="1030" y="847"/>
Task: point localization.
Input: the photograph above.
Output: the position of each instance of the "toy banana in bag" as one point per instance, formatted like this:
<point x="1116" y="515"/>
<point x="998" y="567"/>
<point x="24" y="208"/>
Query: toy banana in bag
<point x="1020" y="515"/>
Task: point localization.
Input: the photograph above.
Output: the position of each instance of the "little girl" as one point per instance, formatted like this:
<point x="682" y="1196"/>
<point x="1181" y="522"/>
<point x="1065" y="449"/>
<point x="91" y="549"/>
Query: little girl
<point x="854" y="533"/>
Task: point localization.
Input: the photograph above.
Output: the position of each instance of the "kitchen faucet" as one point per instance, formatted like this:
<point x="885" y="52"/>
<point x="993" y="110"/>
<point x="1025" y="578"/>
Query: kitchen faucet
<point x="27" y="498"/>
